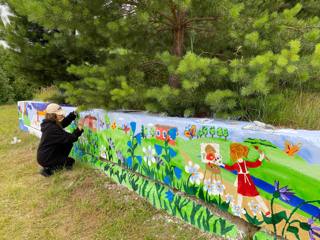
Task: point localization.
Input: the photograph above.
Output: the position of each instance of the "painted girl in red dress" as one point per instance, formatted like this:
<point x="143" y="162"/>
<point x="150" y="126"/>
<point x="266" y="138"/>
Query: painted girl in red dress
<point x="245" y="184"/>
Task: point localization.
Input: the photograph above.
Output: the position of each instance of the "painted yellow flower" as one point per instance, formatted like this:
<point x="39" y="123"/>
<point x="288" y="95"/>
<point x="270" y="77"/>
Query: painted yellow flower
<point x="114" y="125"/>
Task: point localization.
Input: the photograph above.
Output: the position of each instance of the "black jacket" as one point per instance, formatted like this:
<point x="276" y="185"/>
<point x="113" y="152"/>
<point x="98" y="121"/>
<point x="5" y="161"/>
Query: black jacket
<point x="54" y="141"/>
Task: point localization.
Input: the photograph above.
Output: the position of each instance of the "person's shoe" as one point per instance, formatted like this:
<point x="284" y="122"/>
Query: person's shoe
<point x="69" y="164"/>
<point x="46" y="172"/>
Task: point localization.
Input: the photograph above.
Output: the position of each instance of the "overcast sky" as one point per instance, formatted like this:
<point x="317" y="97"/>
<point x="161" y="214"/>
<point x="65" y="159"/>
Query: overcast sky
<point x="4" y="15"/>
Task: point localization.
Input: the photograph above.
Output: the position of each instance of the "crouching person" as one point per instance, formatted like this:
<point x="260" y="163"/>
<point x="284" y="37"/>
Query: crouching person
<point x="56" y="144"/>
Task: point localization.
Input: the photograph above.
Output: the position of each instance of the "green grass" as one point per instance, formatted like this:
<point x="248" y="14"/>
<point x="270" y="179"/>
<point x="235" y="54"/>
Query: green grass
<point x="80" y="204"/>
<point x="292" y="109"/>
<point x="46" y="93"/>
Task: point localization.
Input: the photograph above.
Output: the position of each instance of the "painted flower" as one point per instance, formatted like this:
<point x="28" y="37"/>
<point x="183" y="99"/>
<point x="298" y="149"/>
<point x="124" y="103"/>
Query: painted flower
<point x="159" y="161"/>
<point x="114" y="125"/>
<point x="129" y="162"/>
<point x="196" y="176"/>
<point x="173" y="133"/>
<point x="120" y="156"/>
<point x="139" y="158"/>
<point x="237" y="210"/>
<point x="133" y="126"/>
<point x="103" y="152"/>
<point x="139" y="138"/>
<point x="170" y="195"/>
<point x="229" y="199"/>
<point x="178" y="172"/>
<point x="158" y="149"/>
<point x="284" y="193"/>
<point x="149" y="153"/>
<point x="167" y="180"/>
<point x="111" y="143"/>
<point x="219" y="187"/>
<point x="207" y="184"/>
<point x="314" y="230"/>
<point x="254" y="207"/>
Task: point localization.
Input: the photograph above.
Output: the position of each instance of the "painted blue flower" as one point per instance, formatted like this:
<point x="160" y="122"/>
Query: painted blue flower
<point x="284" y="193"/>
<point x="133" y="126"/>
<point x="167" y="180"/>
<point x="178" y="172"/>
<point x="173" y="133"/>
<point x="129" y="162"/>
<point x="170" y="195"/>
<point x="172" y="153"/>
<point x="314" y="231"/>
<point x="138" y="137"/>
<point x="120" y="156"/>
<point x="139" y="158"/>
<point x="129" y="144"/>
<point x="158" y="149"/>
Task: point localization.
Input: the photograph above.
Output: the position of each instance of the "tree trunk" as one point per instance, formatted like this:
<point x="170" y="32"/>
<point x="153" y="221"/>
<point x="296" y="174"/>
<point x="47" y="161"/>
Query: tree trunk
<point x="178" y="32"/>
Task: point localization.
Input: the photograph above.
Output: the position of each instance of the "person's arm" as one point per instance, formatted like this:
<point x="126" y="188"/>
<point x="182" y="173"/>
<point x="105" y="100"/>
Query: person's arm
<point x="230" y="168"/>
<point x="68" y="119"/>
<point x="257" y="163"/>
<point x="58" y="135"/>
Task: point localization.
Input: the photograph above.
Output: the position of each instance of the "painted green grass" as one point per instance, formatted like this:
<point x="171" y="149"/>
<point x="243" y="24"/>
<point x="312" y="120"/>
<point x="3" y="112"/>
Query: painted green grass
<point x="156" y="194"/>
<point x="81" y="204"/>
<point x="281" y="167"/>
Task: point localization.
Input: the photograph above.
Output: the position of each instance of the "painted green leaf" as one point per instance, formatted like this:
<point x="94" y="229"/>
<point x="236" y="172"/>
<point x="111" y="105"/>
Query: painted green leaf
<point x="294" y="230"/>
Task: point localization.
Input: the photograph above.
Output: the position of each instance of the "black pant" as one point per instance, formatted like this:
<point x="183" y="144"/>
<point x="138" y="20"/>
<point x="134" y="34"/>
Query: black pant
<point x="60" y="158"/>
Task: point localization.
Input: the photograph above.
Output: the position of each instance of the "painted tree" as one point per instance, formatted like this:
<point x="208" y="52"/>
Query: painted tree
<point x="152" y="131"/>
<point x="225" y="133"/>
<point x="220" y="132"/>
<point x="212" y="131"/>
<point x="143" y="131"/>
<point x="205" y="131"/>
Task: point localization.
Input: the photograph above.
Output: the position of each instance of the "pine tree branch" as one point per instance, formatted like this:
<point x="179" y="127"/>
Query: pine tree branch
<point x="301" y="29"/>
<point x="163" y="29"/>
<point x="201" y="19"/>
<point x="199" y="29"/>
<point x="171" y="20"/>
<point x="159" y="21"/>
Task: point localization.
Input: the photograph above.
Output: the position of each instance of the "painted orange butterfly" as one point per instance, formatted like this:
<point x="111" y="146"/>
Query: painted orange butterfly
<point x="291" y="149"/>
<point x="190" y="131"/>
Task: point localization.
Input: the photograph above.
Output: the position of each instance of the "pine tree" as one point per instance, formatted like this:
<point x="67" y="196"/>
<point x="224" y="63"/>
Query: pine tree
<point x="185" y="58"/>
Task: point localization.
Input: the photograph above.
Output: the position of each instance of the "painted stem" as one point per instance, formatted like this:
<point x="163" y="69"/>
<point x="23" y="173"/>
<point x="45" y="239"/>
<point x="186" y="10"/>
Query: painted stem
<point x="293" y="211"/>
<point x="273" y="224"/>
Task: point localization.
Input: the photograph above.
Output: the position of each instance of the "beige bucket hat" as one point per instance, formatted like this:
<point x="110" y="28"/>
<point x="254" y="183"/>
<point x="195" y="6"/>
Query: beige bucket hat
<point x="55" y="108"/>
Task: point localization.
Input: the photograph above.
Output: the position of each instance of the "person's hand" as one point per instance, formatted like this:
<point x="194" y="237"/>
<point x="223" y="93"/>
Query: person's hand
<point x="80" y="124"/>
<point x="75" y="114"/>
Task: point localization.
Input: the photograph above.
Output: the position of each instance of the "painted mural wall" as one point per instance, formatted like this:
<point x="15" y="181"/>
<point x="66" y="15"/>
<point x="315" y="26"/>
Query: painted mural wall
<point x="269" y="177"/>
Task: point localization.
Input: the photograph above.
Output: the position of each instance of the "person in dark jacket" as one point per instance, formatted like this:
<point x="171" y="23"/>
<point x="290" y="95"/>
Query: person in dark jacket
<point x="56" y="144"/>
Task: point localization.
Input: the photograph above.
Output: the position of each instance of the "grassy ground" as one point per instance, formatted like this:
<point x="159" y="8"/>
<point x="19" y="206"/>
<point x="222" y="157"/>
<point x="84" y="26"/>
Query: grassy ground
<point x="80" y="204"/>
